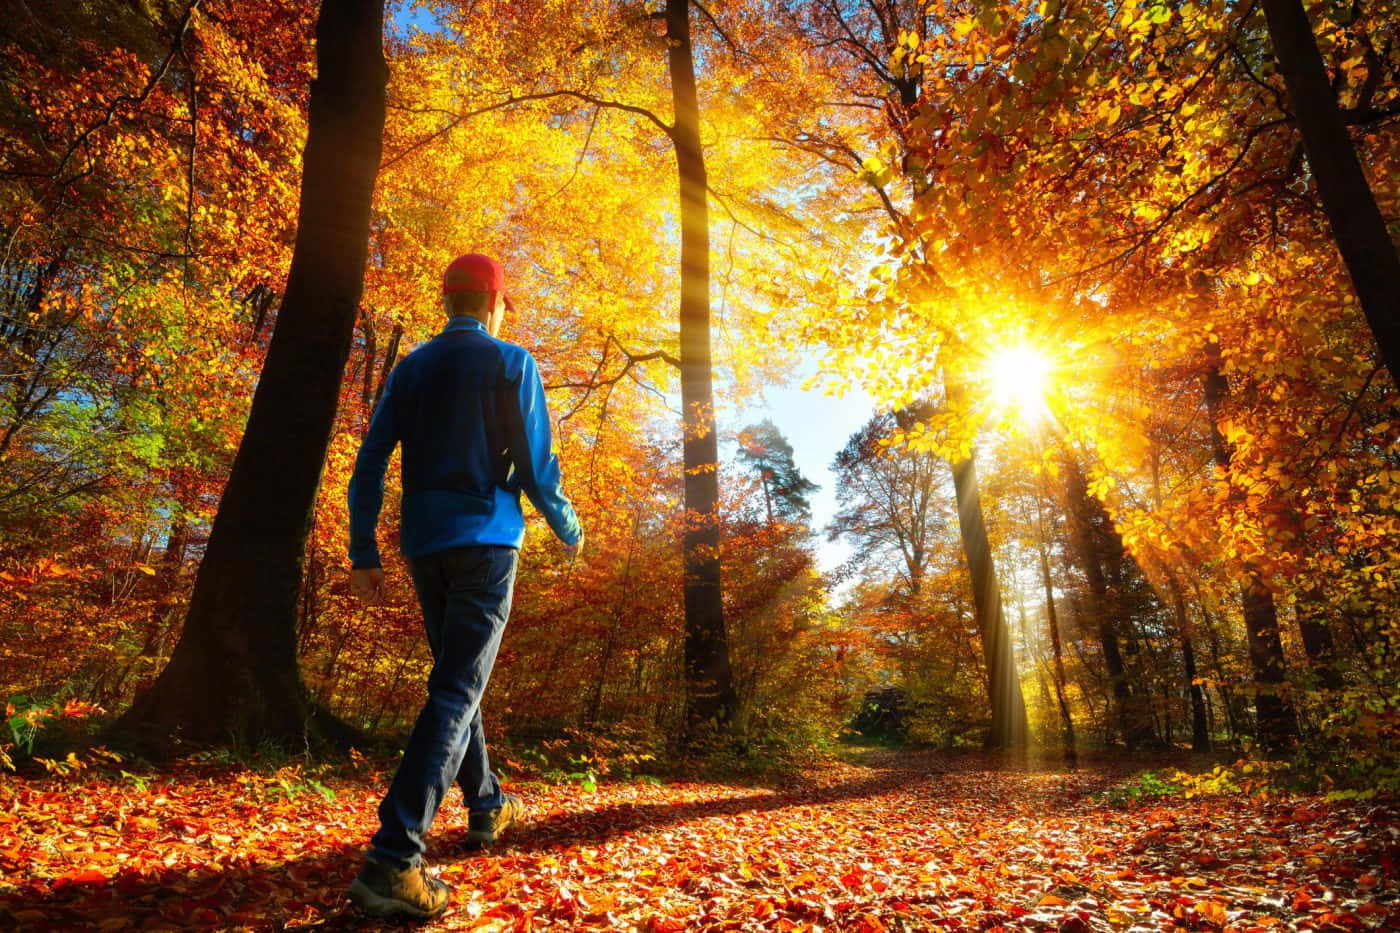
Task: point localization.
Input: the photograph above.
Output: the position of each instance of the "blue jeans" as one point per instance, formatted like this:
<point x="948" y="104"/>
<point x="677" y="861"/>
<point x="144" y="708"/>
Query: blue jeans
<point x="465" y="594"/>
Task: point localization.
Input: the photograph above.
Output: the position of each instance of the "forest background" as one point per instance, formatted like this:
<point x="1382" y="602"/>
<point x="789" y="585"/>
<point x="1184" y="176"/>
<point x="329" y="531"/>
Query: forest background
<point x="1132" y="477"/>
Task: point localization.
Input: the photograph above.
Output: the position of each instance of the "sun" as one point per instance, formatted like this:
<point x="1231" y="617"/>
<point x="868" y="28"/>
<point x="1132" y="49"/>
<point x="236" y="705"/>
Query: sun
<point x="1019" y="378"/>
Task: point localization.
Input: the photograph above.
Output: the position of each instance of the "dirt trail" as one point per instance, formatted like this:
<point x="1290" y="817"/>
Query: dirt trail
<point x="902" y="842"/>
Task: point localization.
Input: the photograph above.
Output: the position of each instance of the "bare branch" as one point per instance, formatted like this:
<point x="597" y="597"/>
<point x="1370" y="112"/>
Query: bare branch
<point x="457" y="119"/>
<point x="596" y="381"/>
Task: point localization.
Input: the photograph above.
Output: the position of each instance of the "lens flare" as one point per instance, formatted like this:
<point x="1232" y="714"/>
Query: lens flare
<point x="1019" y="378"/>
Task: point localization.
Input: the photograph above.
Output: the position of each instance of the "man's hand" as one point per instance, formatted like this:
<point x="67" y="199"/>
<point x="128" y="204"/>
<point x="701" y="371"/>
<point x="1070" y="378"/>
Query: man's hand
<point x="368" y="583"/>
<point x="572" y="551"/>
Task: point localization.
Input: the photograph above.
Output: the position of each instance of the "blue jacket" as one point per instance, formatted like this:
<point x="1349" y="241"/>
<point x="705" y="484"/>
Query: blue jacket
<point x="470" y="412"/>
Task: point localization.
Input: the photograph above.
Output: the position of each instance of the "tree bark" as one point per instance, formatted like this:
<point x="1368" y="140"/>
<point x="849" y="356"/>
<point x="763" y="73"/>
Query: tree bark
<point x="595" y="706"/>
<point x="1098" y="546"/>
<point x="234" y="674"/>
<point x="1009" y="729"/>
<point x="710" y="699"/>
<point x="1318" y="642"/>
<point x="1200" y="724"/>
<point x="1057" y="650"/>
<point x="1276" y="720"/>
<point x="1357" y="224"/>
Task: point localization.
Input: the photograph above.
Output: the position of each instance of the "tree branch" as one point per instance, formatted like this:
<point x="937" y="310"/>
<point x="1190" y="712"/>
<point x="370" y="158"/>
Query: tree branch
<point x="457" y="119"/>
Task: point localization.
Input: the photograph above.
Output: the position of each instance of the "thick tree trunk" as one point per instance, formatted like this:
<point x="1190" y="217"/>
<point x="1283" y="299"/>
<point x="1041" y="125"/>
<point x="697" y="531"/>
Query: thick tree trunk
<point x="1277" y="722"/>
<point x="709" y="681"/>
<point x="234" y="674"/>
<point x="1009" y="729"/>
<point x="1351" y="207"/>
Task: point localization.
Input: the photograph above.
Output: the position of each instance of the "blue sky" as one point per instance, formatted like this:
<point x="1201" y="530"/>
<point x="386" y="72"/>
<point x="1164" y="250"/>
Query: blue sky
<point x="817" y="425"/>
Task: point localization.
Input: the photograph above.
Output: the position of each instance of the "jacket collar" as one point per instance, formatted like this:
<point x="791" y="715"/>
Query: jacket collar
<point x="461" y="323"/>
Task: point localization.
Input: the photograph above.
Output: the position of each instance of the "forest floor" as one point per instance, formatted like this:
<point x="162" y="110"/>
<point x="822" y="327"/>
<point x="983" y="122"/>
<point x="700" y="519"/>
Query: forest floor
<point x="889" y="841"/>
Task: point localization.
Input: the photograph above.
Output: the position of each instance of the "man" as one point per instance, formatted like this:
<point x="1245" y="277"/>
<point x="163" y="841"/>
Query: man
<point x="470" y="412"/>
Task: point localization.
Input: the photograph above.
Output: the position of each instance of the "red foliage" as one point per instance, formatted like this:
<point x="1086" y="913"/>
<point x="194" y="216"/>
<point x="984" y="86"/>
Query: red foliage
<point x="909" y="842"/>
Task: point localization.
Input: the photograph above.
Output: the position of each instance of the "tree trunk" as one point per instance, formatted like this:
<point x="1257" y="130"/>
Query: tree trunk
<point x="1227" y="696"/>
<point x="709" y="680"/>
<point x="1317" y="640"/>
<point x="1057" y="650"/>
<point x="1200" y="724"/>
<point x="1009" y="729"/>
<point x="595" y="706"/>
<point x="1277" y="722"/>
<point x="1351" y="207"/>
<point x="234" y="672"/>
<point x="1098" y="545"/>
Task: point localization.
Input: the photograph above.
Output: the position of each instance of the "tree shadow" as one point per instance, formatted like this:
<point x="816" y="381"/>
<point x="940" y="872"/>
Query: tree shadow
<point x="310" y="888"/>
<point x="591" y="826"/>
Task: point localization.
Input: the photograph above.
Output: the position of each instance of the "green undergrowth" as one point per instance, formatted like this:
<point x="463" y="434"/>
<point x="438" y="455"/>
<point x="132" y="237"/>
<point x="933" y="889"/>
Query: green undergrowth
<point x="1245" y="778"/>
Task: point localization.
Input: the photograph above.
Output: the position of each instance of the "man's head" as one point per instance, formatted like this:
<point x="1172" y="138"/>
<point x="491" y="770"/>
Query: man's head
<point x="474" y="286"/>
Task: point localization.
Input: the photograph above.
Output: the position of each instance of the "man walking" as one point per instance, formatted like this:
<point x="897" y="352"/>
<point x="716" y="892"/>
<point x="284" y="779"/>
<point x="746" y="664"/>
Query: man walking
<point x="470" y="412"/>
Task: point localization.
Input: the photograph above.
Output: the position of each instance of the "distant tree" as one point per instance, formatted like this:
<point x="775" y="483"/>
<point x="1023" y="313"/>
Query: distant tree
<point x="893" y="503"/>
<point x="888" y="502"/>
<point x="764" y="449"/>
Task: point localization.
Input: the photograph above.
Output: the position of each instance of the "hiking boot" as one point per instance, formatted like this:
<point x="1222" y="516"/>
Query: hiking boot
<point x="386" y="891"/>
<point x="486" y="826"/>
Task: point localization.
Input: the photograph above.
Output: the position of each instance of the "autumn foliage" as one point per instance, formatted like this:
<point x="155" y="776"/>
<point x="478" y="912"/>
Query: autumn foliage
<point x="1187" y="478"/>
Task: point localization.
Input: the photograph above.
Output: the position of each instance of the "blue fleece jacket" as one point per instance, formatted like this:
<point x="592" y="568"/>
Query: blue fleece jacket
<point x="470" y="412"/>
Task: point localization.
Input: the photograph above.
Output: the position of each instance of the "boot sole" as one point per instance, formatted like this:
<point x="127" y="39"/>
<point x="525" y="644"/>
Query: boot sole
<point x="367" y="900"/>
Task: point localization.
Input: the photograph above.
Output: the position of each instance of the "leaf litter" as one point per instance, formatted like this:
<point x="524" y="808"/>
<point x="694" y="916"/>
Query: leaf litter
<point x="905" y="841"/>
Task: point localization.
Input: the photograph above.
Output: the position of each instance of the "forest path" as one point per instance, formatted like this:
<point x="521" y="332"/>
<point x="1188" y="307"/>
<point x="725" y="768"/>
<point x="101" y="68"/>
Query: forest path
<point x="900" y="841"/>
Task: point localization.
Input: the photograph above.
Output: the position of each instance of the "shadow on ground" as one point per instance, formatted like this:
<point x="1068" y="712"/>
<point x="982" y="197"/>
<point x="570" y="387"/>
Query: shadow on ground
<point x="310" y="889"/>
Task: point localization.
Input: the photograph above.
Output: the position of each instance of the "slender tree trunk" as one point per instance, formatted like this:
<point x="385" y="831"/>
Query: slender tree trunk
<point x="1227" y="696"/>
<point x="1057" y="654"/>
<point x="1277" y="722"/>
<point x="391" y="356"/>
<point x="1200" y="724"/>
<point x="1351" y="207"/>
<point x="595" y="706"/>
<point x="1009" y="729"/>
<point x="371" y="349"/>
<point x="234" y="671"/>
<point x="1317" y="640"/>
<point x="1200" y="727"/>
<point x="1098" y="546"/>
<point x="709" y="679"/>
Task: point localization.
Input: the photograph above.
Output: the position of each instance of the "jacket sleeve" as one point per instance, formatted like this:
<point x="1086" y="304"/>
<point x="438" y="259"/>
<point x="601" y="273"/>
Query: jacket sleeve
<point x="536" y="467"/>
<point x="366" y="494"/>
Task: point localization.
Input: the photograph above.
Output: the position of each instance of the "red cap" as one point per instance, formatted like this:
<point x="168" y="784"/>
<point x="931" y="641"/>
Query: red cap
<point x="474" y="272"/>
